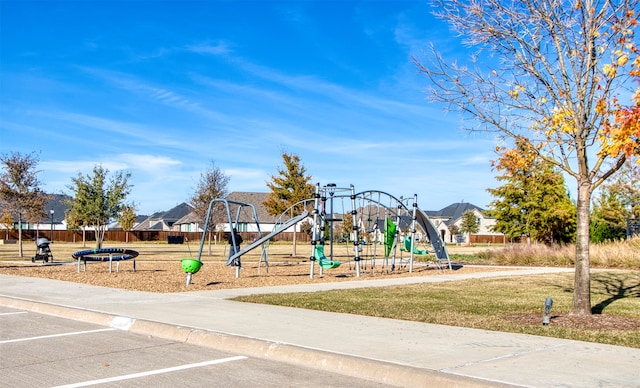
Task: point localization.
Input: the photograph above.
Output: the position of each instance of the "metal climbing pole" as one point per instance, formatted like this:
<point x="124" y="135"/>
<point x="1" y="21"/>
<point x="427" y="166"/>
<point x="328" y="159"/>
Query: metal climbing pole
<point x="355" y="228"/>
<point x="413" y="231"/>
<point x="314" y="238"/>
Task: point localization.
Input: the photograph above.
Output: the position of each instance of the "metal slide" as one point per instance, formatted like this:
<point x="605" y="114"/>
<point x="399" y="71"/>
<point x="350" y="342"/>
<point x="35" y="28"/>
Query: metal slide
<point x="436" y="242"/>
<point x="266" y="238"/>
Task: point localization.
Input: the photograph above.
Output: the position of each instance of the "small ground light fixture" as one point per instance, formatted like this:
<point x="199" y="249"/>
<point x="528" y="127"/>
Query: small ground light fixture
<point x="547" y="309"/>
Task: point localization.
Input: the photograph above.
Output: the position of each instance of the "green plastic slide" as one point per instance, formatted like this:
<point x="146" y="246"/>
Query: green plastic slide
<point x="322" y="260"/>
<point x="407" y="247"/>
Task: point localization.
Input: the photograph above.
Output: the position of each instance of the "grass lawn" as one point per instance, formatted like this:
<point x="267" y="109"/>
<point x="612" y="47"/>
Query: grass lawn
<point x="512" y="304"/>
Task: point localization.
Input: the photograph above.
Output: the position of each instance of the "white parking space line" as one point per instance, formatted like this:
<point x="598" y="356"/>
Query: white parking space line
<point x="55" y="335"/>
<point x="13" y="313"/>
<point x="152" y="372"/>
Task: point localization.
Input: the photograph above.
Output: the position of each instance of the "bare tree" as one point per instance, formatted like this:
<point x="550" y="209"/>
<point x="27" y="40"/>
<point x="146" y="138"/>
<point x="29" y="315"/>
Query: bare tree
<point x="20" y="190"/>
<point x="557" y="73"/>
<point x="213" y="184"/>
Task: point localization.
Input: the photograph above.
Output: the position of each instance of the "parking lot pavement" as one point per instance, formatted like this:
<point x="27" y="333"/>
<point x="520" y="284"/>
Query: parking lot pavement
<point x="39" y="350"/>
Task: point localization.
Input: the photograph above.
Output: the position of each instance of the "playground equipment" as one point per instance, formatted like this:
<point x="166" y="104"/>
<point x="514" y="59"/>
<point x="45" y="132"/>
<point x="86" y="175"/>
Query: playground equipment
<point x="398" y="214"/>
<point x="322" y="260"/>
<point x="323" y="220"/>
<point x="43" y="251"/>
<point x="390" y="234"/>
<point x="191" y="266"/>
<point x="407" y="247"/>
<point x="106" y="254"/>
<point x="439" y="249"/>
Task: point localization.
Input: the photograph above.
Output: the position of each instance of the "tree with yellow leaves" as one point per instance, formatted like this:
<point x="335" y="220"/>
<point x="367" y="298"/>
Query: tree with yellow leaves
<point x="558" y="73"/>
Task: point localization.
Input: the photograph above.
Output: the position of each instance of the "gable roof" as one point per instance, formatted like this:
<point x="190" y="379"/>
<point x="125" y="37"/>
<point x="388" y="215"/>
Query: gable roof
<point x="255" y="199"/>
<point x="168" y="218"/>
<point x="191" y="218"/>
<point x="57" y="203"/>
<point x="176" y="213"/>
<point x="454" y="211"/>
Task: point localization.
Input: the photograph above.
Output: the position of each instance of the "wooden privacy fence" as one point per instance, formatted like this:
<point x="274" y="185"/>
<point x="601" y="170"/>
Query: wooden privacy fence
<point x="171" y="237"/>
<point x="487" y="239"/>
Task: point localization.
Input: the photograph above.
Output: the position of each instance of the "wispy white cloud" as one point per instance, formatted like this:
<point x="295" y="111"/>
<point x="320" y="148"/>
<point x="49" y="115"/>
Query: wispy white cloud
<point x="115" y="162"/>
<point x="135" y="85"/>
<point x="153" y="163"/>
<point x="142" y="133"/>
<point x="219" y="48"/>
<point x="72" y="167"/>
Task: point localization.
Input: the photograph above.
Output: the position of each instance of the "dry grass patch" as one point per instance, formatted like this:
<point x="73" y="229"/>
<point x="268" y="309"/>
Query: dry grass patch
<point x="616" y="254"/>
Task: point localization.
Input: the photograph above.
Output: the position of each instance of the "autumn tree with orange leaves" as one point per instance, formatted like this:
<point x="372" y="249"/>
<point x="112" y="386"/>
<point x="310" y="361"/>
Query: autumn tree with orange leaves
<point x="533" y="200"/>
<point x="561" y="74"/>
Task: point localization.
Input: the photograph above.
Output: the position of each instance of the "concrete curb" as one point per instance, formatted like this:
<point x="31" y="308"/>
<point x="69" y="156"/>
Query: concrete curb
<point x="348" y="365"/>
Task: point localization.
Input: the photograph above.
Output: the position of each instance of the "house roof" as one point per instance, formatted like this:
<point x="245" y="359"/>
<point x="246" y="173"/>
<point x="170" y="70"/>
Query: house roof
<point x="56" y="203"/>
<point x="139" y="220"/>
<point x="143" y="225"/>
<point x="255" y="199"/>
<point x="175" y="213"/>
<point x="169" y="217"/>
<point x="454" y="211"/>
<point x="191" y="218"/>
<point x="246" y="215"/>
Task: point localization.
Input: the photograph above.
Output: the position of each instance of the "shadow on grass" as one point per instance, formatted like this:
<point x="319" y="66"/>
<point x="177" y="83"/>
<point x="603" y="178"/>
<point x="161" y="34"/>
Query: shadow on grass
<point x="617" y="286"/>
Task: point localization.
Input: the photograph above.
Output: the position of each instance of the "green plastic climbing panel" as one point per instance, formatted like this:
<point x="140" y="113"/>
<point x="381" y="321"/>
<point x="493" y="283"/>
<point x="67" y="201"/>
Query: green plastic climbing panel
<point x="389" y="236"/>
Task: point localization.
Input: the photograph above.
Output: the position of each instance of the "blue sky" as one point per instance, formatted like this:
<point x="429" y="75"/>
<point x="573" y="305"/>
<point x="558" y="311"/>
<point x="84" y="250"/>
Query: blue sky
<point x="162" y="89"/>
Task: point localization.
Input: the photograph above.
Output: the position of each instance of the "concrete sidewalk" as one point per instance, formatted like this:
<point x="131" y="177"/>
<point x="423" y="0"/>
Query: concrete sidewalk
<point x="391" y="351"/>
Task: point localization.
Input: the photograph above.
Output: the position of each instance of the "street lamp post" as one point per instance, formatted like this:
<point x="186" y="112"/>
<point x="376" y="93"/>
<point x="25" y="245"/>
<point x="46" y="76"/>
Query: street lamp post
<point x="51" y="213"/>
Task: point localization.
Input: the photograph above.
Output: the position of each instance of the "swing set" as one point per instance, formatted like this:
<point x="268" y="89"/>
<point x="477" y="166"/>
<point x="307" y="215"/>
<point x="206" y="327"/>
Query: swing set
<point x="192" y="266"/>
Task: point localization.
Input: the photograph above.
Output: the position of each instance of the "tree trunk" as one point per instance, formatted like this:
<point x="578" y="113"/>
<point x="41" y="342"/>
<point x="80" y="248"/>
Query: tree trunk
<point x="20" y="235"/>
<point x="582" y="280"/>
<point x="99" y="236"/>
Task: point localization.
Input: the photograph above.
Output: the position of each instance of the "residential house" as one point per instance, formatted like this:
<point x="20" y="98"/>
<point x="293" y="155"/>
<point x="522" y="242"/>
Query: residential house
<point x="445" y="218"/>
<point x="165" y="220"/>
<point x="55" y="207"/>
